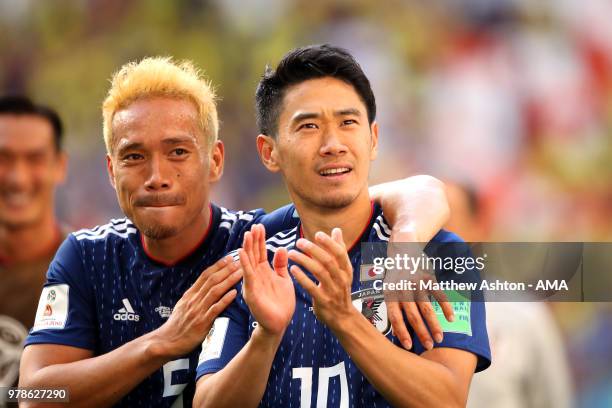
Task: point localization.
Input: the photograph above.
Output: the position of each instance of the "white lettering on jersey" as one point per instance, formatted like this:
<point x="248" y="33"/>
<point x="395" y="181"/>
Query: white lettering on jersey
<point x="170" y="389"/>
<point x="304" y="374"/>
<point x="126" y="313"/>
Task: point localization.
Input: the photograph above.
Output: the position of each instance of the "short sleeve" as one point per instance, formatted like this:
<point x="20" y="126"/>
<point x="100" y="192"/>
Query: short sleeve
<point x="281" y="219"/>
<point x="228" y="335"/>
<point x="238" y="222"/>
<point x="468" y="331"/>
<point x="65" y="313"/>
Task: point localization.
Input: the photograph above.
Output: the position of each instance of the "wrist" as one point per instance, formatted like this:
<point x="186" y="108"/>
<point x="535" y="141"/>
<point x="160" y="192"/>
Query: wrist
<point x="405" y="224"/>
<point x="266" y="341"/>
<point x="346" y="322"/>
<point x="405" y="230"/>
<point x="159" y="347"/>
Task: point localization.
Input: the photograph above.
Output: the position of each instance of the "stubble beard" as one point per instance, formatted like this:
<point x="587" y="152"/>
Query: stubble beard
<point x="327" y="201"/>
<point x="159" y="232"/>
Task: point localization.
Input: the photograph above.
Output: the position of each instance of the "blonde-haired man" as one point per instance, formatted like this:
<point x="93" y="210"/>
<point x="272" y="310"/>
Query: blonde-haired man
<point x="126" y="305"/>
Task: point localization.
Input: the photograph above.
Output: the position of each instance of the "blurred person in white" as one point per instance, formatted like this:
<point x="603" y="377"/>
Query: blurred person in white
<point x="529" y="366"/>
<point x="472" y="109"/>
<point x="32" y="164"/>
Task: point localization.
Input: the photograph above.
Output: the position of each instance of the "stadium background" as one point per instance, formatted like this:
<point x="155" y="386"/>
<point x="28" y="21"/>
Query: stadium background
<point x="510" y="98"/>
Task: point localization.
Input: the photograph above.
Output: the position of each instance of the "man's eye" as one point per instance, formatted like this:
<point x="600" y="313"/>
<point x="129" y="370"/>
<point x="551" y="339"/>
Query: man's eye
<point x="132" y="157"/>
<point x="179" y="152"/>
<point x="308" y="126"/>
<point x="349" y="122"/>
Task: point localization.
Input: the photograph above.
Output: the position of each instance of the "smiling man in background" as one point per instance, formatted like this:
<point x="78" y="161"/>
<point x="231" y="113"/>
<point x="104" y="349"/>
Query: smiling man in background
<point x="32" y="165"/>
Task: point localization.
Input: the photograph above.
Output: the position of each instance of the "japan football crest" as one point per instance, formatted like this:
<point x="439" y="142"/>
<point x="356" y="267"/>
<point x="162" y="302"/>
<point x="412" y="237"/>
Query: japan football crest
<point x="371" y="304"/>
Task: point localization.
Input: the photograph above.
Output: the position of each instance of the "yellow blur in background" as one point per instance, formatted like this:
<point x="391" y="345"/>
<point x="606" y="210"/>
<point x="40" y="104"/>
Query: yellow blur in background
<point x="507" y="100"/>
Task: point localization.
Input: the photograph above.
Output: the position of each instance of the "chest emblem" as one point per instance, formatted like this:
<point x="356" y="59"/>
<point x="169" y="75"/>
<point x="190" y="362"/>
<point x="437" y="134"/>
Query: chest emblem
<point x="371" y="304"/>
<point x="164" y="311"/>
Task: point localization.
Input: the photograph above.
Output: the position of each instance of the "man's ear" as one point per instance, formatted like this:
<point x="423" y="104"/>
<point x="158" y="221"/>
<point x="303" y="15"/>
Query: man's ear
<point x="217" y="160"/>
<point x="111" y="171"/>
<point x="268" y="152"/>
<point x="374" y="141"/>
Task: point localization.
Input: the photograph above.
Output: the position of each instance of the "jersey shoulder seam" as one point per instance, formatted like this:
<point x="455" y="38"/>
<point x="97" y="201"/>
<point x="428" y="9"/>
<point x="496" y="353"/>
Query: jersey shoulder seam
<point x="121" y="227"/>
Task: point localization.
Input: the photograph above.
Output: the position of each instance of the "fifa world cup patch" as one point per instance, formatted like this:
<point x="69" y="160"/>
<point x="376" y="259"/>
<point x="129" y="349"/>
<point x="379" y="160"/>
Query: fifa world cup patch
<point x="371" y="304"/>
<point x="52" y="311"/>
<point x="463" y="315"/>
<point x="213" y="343"/>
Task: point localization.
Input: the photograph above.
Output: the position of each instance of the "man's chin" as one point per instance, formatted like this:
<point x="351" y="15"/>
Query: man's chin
<point x="157" y="228"/>
<point x="335" y="201"/>
<point x="158" y="231"/>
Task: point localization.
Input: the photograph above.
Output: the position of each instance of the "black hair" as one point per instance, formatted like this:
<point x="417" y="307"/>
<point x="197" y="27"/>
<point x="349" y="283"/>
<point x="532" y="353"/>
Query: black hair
<point x="22" y="105"/>
<point x="302" y="64"/>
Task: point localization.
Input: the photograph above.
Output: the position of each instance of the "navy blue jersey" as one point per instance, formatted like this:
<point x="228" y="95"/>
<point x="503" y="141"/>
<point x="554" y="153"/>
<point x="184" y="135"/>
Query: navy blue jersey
<point x="103" y="291"/>
<point x="310" y="367"/>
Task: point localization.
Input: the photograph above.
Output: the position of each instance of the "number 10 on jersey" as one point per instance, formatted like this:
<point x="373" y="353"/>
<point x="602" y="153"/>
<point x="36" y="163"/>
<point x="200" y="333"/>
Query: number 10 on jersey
<point x="325" y="374"/>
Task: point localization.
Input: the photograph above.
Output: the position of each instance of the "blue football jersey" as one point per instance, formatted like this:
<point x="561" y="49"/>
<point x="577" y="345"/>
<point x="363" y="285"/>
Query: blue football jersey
<point x="310" y="367"/>
<point x="103" y="290"/>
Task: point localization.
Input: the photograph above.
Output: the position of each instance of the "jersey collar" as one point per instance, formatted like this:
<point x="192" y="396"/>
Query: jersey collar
<point x="364" y="232"/>
<point x="203" y="243"/>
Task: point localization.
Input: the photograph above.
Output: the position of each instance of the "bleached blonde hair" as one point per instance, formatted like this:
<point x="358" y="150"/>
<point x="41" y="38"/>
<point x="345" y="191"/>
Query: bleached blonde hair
<point x="161" y="76"/>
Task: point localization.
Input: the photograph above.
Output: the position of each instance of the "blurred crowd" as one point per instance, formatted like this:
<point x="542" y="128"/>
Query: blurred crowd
<point x="509" y="99"/>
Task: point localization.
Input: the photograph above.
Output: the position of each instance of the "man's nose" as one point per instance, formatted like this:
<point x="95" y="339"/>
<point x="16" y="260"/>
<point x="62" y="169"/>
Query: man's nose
<point x="18" y="175"/>
<point x="159" y="177"/>
<point x="332" y="144"/>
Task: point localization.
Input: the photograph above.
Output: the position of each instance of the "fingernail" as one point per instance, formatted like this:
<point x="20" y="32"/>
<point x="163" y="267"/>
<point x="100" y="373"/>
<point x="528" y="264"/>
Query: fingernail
<point x="452" y="318"/>
<point x="438" y="338"/>
<point x="428" y="345"/>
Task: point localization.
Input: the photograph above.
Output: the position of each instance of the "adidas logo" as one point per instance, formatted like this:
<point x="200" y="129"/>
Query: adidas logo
<point x="126" y="312"/>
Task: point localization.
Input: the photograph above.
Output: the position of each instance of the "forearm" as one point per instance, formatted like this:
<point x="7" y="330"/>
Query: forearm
<point x="415" y="205"/>
<point x="243" y="381"/>
<point x="102" y="380"/>
<point x="403" y="378"/>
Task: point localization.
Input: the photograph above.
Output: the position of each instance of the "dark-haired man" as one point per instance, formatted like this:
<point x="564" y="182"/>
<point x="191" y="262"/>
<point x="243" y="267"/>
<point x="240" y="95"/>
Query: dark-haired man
<point x="298" y="335"/>
<point x="32" y="164"/>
